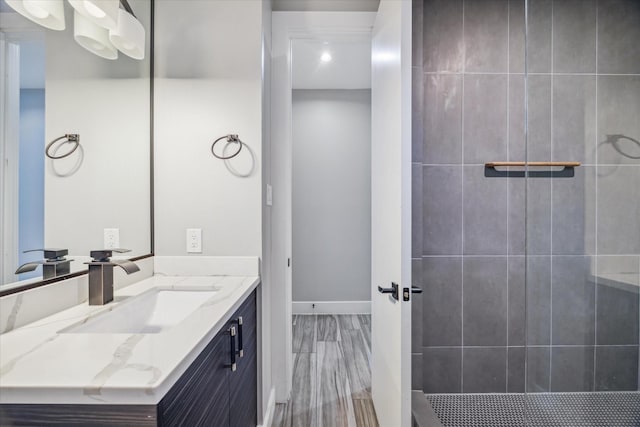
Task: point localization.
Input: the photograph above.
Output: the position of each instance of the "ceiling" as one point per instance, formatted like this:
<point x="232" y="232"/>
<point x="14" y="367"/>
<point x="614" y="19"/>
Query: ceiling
<point x="349" y="68"/>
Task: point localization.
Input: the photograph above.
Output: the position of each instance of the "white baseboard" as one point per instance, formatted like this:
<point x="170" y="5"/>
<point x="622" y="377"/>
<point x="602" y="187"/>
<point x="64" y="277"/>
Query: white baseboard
<point x="331" y="307"/>
<point x="271" y="409"/>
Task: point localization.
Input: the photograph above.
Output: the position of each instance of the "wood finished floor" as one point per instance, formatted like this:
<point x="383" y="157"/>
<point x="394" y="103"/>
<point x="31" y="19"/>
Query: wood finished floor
<point x="331" y="373"/>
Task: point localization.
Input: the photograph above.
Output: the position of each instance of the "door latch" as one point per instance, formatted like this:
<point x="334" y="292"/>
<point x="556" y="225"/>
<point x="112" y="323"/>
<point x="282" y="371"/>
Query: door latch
<point x="406" y="292"/>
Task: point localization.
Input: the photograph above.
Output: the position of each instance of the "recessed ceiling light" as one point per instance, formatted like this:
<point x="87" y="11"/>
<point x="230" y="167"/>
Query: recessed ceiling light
<point x="325" y="57"/>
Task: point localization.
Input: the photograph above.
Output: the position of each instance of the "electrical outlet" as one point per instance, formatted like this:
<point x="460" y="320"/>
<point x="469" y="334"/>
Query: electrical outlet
<point x="194" y="240"/>
<point x="111" y="238"/>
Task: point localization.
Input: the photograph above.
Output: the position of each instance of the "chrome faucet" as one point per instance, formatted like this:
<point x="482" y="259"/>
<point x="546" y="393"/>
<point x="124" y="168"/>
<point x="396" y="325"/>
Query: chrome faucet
<point x="101" y="274"/>
<point x="54" y="264"/>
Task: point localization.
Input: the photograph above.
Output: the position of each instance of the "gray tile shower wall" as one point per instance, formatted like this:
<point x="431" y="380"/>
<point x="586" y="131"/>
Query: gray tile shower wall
<point x="568" y="246"/>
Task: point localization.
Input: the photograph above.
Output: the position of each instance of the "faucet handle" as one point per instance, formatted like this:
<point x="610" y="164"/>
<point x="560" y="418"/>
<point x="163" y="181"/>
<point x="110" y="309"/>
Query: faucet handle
<point x="51" y="254"/>
<point x="104" y="254"/>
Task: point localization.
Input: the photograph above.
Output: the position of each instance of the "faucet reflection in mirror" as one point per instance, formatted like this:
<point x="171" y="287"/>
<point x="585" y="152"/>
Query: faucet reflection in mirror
<point x="101" y="274"/>
<point x="100" y="26"/>
<point x="55" y="264"/>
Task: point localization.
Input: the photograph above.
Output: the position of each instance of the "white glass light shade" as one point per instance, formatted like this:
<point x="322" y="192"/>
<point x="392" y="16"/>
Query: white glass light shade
<point x="48" y="13"/>
<point x="100" y="12"/>
<point x="93" y="37"/>
<point x="128" y="36"/>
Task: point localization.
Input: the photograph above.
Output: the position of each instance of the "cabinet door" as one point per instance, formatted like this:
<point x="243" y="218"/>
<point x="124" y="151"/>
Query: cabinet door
<point x="201" y="395"/>
<point x="243" y="384"/>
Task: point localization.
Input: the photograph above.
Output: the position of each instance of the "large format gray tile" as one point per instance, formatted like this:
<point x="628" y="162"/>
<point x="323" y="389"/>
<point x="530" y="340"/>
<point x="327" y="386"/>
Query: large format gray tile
<point x="618" y="35"/>
<point x="365" y="413"/>
<point x="616" y="368"/>
<point x="617" y="316"/>
<point x="539" y="40"/>
<point x="442" y="301"/>
<point x="618" y="112"/>
<point x="304" y="333"/>
<point x="417" y="114"/>
<point x="441" y="368"/>
<point x="443" y="44"/>
<point x="574" y="213"/>
<point x="539" y="116"/>
<point x="485" y="213"/>
<point x="573" y="296"/>
<point x="537" y="369"/>
<point x="574" y="118"/>
<point x="301" y="408"/>
<point x="442" y="119"/>
<point x="356" y="360"/>
<point x="572" y="369"/>
<point x="618" y="210"/>
<point x="365" y="329"/>
<point x="417" y="19"/>
<point x="485" y="129"/>
<point x="442" y="202"/>
<point x="416" y="371"/>
<point x="538" y="302"/>
<point x="348" y="322"/>
<point x="516" y="143"/>
<point x="334" y="404"/>
<point x="486" y="36"/>
<point x="485" y="301"/>
<point x="417" y="303"/>
<point x="574" y="36"/>
<point x="484" y="370"/>
<point x="516" y="36"/>
<point x="416" y="210"/>
<point x="534" y="196"/>
<point x="327" y="325"/>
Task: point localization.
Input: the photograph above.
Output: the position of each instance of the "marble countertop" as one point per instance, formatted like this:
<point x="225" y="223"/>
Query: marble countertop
<point x="40" y="365"/>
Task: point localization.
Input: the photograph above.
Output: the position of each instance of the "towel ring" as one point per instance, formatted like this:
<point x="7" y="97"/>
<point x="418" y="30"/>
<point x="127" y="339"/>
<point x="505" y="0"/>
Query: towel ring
<point x="69" y="138"/>
<point x="229" y="138"/>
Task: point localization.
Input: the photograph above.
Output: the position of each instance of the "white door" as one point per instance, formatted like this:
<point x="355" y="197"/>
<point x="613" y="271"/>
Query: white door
<point x="391" y="212"/>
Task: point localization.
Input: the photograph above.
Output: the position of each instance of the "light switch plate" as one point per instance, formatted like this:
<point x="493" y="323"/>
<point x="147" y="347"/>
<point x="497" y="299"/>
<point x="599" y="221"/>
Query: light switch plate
<point x="194" y="240"/>
<point x="111" y="238"/>
<point x="269" y="195"/>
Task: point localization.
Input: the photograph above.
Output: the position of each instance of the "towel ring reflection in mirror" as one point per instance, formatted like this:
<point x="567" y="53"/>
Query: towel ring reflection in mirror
<point x="230" y="138"/>
<point x="70" y="138"/>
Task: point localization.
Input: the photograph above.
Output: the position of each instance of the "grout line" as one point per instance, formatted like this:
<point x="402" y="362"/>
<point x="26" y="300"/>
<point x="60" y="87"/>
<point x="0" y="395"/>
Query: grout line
<point x="595" y="231"/>
<point x="508" y="127"/>
<point x="551" y="156"/>
<point x="464" y="60"/>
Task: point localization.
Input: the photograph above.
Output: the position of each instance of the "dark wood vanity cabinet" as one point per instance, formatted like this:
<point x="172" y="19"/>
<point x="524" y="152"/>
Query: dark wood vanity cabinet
<point x="209" y="393"/>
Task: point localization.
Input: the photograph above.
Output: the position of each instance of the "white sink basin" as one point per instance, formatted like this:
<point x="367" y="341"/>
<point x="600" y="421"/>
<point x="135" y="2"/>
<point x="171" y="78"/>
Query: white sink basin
<point x="152" y="312"/>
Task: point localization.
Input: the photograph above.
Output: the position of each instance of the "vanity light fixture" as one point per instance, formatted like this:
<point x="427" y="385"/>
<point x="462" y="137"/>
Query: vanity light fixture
<point x="128" y="36"/>
<point x="93" y="37"/>
<point x="101" y="12"/>
<point x="48" y="13"/>
<point x="100" y="26"/>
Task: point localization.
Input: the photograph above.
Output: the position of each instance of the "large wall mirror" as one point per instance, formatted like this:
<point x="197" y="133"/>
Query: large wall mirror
<point x="88" y="86"/>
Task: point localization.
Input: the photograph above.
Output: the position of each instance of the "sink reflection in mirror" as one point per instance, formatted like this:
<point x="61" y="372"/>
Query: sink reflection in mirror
<point x="152" y="312"/>
<point x="53" y="87"/>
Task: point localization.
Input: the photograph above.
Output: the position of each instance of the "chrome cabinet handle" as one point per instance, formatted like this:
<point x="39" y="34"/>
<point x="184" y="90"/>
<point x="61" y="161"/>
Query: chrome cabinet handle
<point x="240" y="350"/>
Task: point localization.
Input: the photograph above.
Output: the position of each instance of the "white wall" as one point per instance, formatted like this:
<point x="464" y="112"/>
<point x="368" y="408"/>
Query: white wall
<point x="331" y="195"/>
<point x="208" y="84"/>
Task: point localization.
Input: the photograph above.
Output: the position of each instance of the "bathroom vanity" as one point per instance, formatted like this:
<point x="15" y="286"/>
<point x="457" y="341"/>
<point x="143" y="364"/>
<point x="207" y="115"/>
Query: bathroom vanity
<point x="168" y="351"/>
